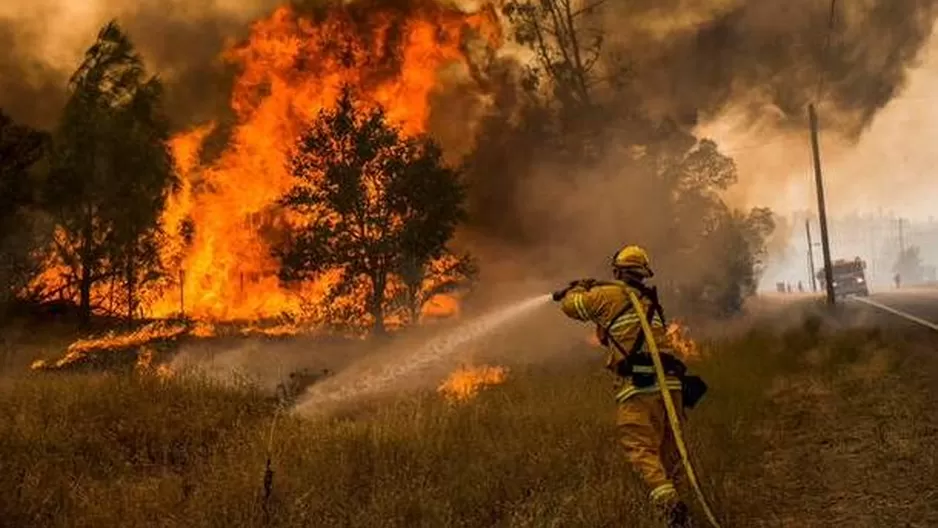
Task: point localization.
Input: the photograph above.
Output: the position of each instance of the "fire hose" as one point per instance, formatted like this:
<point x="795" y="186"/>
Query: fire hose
<point x="665" y="396"/>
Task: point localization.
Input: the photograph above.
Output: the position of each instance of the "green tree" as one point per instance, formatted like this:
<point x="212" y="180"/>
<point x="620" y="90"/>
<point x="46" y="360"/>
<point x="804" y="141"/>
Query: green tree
<point x="592" y="129"/>
<point x="711" y="254"/>
<point x="377" y="206"/>
<point x="110" y="173"/>
<point x="20" y="223"/>
<point x="740" y="240"/>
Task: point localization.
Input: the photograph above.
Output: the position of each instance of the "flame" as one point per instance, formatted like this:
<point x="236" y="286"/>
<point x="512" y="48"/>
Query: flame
<point x="281" y="330"/>
<point x="292" y="67"/>
<point x="202" y="329"/>
<point x="78" y="350"/>
<point x="145" y="367"/>
<point x="681" y="342"/>
<point x="464" y="383"/>
<point x="441" y="306"/>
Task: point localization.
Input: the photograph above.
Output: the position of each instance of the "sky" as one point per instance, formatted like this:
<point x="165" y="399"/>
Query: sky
<point x="892" y="167"/>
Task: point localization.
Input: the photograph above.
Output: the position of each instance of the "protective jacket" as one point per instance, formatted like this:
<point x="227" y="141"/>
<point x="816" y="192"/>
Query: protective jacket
<point x="619" y="329"/>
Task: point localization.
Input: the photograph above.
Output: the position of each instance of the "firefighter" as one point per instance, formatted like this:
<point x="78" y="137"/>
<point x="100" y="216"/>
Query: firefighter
<point x="642" y="421"/>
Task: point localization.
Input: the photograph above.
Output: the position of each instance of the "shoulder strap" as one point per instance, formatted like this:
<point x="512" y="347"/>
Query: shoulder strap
<point x="650" y="293"/>
<point x="655" y="307"/>
<point x="607" y="335"/>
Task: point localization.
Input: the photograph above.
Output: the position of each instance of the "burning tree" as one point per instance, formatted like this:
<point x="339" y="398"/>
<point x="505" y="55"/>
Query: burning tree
<point x="372" y="203"/>
<point x="110" y="174"/>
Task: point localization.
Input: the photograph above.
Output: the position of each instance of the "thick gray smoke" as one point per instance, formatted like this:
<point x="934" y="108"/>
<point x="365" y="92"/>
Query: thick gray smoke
<point x="689" y="56"/>
<point x="769" y="57"/>
<point x="43" y="42"/>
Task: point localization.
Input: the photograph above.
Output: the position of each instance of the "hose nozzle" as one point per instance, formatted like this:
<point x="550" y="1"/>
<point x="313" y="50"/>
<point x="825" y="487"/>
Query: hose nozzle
<point x="561" y="293"/>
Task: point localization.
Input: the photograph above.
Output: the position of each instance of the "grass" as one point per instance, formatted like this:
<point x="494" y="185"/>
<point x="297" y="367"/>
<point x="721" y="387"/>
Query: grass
<point x="815" y="425"/>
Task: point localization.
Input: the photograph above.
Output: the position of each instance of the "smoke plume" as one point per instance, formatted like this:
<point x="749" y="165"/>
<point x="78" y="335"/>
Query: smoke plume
<point x="689" y="56"/>
<point x="181" y="41"/>
<point x="772" y="58"/>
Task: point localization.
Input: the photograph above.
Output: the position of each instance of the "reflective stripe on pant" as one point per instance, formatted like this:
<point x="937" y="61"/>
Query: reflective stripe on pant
<point x="649" y="443"/>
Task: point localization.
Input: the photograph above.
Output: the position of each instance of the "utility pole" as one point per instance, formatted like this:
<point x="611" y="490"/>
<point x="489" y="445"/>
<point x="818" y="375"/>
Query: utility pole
<point x="807" y="228"/>
<point x="822" y="208"/>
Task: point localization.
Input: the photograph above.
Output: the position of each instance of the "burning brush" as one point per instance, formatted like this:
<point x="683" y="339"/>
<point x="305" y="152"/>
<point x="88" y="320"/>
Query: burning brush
<point x="106" y="350"/>
<point x="683" y="345"/>
<point x="463" y="384"/>
<point x="146" y="367"/>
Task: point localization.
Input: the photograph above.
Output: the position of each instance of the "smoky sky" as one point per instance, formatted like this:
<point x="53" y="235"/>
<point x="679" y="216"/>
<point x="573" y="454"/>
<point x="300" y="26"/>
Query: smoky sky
<point x="43" y="41"/>
<point x="773" y="57"/>
<point x="688" y="56"/>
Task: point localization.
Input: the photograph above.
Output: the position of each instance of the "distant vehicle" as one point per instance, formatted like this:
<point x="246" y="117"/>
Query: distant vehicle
<point x="849" y="277"/>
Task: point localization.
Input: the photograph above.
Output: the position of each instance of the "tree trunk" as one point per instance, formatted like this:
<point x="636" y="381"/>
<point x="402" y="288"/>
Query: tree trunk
<point x="87" y="268"/>
<point x="379" y="284"/>
<point x="131" y="285"/>
<point x="414" y="295"/>
<point x="84" y="289"/>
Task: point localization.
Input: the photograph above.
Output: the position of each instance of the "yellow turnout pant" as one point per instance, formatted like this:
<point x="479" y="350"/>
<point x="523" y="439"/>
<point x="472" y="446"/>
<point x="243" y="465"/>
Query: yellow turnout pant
<point x="649" y="443"/>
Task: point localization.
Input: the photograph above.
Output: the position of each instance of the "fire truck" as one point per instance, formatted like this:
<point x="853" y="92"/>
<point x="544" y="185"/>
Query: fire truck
<point x="849" y="277"/>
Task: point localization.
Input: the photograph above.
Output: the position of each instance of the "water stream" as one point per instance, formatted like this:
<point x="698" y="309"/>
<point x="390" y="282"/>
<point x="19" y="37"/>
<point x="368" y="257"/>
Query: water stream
<point x="354" y="383"/>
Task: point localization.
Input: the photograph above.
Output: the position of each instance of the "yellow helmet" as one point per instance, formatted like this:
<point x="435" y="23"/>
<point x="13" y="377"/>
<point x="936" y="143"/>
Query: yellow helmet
<point x="633" y="259"/>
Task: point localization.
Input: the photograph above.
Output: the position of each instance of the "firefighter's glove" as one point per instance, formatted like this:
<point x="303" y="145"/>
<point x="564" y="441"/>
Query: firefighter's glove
<point x="558" y="295"/>
<point x="581" y="283"/>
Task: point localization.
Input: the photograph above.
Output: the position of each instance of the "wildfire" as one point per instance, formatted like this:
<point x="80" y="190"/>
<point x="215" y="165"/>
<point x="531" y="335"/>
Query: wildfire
<point x="138" y="341"/>
<point x="144" y="365"/>
<point x="681" y="343"/>
<point x="79" y="350"/>
<point x="463" y="384"/>
<point x="281" y="330"/>
<point x="224" y="217"/>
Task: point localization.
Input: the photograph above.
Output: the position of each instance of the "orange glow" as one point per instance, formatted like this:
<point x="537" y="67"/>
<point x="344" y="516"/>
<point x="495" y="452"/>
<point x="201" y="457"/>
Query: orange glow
<point x="681" y="343"/>
<point x="202" y="329"/>
<point x="281" y="330"/>
<point x="222" y="221"/>
<point x="290" y="69"/>
<point x="145" y="366"/>
<point x="156" y="331"/>
<point x="441" y="306"/>
<point x="593" y="340"/>
<point x="464" y="383"/>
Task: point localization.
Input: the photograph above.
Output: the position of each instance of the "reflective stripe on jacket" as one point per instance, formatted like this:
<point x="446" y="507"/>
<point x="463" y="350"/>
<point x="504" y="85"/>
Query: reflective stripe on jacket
<point x="604" y="304"/>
